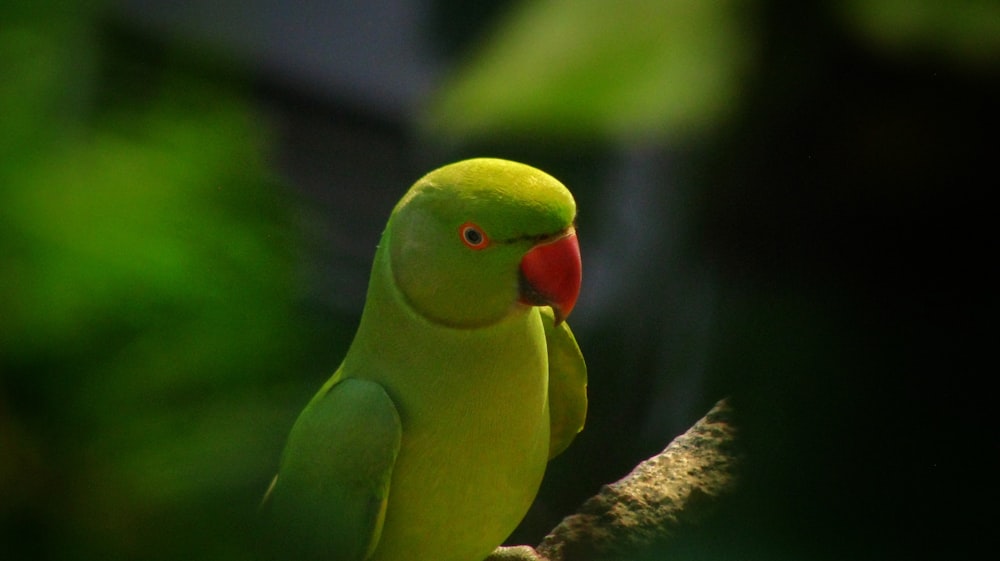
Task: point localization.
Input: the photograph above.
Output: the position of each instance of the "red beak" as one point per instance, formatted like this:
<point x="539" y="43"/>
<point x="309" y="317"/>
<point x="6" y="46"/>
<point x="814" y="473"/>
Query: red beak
<point x="551" y="275"/>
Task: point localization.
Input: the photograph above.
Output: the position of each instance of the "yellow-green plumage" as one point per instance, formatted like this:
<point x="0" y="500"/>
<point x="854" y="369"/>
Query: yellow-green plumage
<point x="430" y="441"/>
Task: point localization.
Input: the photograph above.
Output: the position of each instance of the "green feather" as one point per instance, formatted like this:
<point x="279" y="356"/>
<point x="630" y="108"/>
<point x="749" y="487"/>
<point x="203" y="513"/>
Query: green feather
<point x="331" y="492"/>
<point x="567" y="384"/>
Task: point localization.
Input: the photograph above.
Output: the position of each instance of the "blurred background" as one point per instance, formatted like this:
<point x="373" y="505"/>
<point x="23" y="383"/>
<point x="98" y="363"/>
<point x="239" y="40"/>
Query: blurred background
<point x="783" y="203"/>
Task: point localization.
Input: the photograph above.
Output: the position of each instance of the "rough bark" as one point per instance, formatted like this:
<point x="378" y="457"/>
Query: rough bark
<point x="648" y="507"/>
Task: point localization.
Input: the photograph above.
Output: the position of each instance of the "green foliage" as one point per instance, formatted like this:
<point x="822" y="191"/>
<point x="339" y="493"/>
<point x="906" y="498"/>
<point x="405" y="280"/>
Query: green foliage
<point x="146" y="321"/>
<point x="966" y="31"/>
<point x="563" y="68"/>
<point x="610" y="70"/>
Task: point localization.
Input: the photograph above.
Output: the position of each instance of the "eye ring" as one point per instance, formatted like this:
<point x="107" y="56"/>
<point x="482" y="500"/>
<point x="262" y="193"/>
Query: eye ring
<point x="473" y="236"/>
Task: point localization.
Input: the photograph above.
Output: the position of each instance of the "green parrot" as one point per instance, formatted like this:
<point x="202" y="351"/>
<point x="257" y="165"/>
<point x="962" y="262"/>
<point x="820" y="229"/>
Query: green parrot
<point x="431" y="439"/>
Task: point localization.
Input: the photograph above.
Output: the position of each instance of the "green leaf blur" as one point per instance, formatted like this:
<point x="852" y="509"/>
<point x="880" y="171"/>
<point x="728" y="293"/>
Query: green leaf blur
<point x="598" y="69"/>
<point x="145" y="303"/>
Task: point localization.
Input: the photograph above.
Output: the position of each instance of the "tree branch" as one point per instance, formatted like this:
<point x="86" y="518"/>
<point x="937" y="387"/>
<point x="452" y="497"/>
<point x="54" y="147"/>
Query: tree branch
<point x="676" y="488"/>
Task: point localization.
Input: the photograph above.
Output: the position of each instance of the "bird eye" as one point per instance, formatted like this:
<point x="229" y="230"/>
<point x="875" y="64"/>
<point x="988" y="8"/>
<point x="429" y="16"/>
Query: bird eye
<point x="473" y="236"/>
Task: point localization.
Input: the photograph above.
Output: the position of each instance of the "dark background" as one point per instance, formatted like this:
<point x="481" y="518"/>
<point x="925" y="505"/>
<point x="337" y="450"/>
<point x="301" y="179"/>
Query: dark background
<point x="783" y="204"/>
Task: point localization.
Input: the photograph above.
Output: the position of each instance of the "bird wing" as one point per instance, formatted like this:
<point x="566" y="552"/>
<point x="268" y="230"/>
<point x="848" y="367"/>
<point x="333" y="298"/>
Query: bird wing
<point x="567" y="383"/>
<point x="330" y="494"/>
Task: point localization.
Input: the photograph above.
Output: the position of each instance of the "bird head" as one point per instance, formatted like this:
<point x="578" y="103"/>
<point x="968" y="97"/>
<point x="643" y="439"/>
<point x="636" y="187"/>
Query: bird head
<point x="473" y="242"/>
